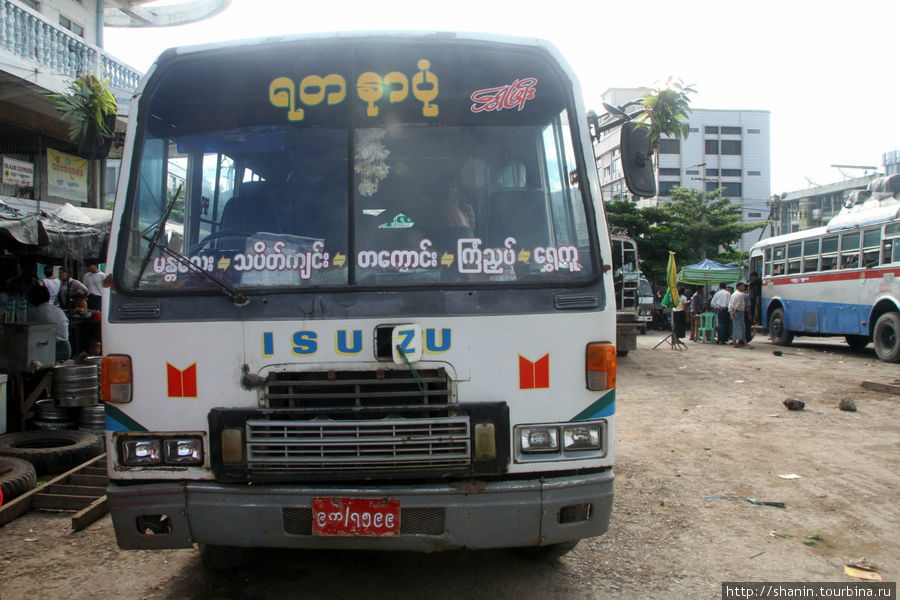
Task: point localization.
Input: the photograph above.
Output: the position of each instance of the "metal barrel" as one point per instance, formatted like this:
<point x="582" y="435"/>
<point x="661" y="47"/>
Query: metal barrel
<point x="92" y="418"/>
<point x="48" y="416"/>
<point x="75" y="385"/>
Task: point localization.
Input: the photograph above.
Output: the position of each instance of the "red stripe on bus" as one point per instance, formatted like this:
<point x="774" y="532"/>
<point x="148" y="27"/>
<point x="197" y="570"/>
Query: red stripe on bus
<point x="843" y="275"/>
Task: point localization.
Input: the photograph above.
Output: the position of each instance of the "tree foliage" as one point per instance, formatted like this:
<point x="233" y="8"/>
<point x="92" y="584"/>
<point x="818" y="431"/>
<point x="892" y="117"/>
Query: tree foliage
<point x="695" y="225"/>
<point x="666" y="111"/>
<point x="86" y="101"/>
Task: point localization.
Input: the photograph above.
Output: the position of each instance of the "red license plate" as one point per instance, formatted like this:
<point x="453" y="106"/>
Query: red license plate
<point x="356" y="516"/>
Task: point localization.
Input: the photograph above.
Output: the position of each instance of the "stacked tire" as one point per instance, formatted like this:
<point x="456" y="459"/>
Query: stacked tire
<point x="17" y="476"/>
<point x="51" y="451"/>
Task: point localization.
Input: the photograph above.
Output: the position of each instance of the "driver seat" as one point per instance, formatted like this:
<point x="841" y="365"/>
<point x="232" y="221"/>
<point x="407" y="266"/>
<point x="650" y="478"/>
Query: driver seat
<point x="252" y="209"/>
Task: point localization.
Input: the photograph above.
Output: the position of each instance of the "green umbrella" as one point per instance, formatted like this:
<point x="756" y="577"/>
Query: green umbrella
<point x="671" y="299"/>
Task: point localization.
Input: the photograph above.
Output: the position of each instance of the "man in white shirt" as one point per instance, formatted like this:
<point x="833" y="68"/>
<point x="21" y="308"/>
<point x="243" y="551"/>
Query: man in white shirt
<point x="70" y="290"/>
<point x="93" y="281"/>
<point x="737" y="308"/>
<point x="719" y="303"/>
<point x="51" y="283"/>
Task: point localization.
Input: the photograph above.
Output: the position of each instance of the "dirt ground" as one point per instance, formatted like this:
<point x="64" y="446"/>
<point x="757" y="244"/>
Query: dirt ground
<point x="698" y="432"/>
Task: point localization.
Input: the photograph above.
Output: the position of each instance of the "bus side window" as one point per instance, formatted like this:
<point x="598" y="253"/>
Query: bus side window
<point x="811" y="255"/>
<point x="870" y="258"/>
<point x="810" y="264"/>
<point x="871" y="247"/>
<point x="829" y="253"/>
<point x="795" y="251"/>
<point x="890" y="251"/>
<point x="850" y="250"/>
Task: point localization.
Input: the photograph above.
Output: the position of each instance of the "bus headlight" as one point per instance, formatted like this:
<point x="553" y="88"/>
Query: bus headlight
<point x="138" y="452"/>
<point x="539" y="438"/>
<point x="581" y="437"/>
<point x="161" y="450"/>
<point x="183" y="451"/>
<point x="547" y="442"/>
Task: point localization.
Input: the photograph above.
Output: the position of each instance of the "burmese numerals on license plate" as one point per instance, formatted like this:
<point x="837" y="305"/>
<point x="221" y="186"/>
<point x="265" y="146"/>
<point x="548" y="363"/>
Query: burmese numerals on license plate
<point x="356" y="516"/>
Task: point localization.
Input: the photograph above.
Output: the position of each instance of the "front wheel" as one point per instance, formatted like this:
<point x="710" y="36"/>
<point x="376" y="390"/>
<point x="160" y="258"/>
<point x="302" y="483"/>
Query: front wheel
<point x="778" y="330"/>
<point x="887" y="337"/>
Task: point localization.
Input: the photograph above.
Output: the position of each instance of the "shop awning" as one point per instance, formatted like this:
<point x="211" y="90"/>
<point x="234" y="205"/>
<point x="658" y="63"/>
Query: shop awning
<point x="61" y="232"/>
<point x="709" y="272"/>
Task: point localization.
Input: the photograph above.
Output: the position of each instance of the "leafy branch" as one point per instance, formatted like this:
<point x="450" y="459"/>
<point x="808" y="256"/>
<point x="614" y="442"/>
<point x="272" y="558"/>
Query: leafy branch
<point x="87" y="101"/>
<point x="666" y="111"/>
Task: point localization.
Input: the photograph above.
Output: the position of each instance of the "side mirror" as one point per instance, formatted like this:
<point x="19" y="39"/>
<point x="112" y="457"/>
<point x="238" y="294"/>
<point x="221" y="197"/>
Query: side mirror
<point x="637" y="160"/>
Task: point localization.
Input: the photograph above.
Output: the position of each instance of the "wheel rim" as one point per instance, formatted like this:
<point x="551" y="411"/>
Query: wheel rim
<point x="888" y="337"/>
<point x="777" y="326"/>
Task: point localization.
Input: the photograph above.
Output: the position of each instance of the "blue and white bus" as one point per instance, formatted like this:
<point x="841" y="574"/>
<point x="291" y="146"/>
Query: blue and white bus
<point x="842" y="279"/>
<point x="377" y="313"/>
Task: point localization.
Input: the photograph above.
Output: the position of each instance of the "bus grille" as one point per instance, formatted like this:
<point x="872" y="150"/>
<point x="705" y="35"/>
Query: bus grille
<point x="343" y="389"/>
<point x="326" y="445"/>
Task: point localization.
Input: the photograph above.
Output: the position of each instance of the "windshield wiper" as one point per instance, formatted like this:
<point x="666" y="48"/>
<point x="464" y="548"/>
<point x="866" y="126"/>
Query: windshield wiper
<point x="237" y="298"/>
<point x="160" y="228"/>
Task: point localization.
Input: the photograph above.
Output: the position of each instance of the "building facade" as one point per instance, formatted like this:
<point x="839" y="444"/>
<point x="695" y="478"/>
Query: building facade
<point x="815" y="206"/>
<point x="891" y="162"/>
<point x="44" y="46"/>
<point x="728" y="149"/>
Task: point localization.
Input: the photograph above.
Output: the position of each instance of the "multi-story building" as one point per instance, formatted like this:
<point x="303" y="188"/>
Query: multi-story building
<point x="44" y="45"/>
<point x="891" y="162"/>
<point x="813" y="207"/>
<point x="726" y="149"/>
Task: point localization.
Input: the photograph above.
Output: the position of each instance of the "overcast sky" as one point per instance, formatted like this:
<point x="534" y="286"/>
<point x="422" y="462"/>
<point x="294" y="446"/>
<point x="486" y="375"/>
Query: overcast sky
<point x="827" y="71"/>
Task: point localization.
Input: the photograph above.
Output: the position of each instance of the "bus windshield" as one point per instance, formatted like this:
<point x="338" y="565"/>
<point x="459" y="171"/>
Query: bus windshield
<point x="361" y="164"/>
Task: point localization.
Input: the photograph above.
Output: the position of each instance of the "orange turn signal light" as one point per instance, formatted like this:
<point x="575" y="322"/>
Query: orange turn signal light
<point x="601" y="366"/>
<point x="116" y="378"/>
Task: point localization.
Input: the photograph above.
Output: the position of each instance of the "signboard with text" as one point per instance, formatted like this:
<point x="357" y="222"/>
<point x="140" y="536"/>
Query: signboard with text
<point x="18" y="172"/>
<point x="67" y="176"/>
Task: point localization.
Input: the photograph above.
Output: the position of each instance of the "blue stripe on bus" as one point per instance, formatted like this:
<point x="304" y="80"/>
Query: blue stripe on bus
<point x="832" y="318"/>
<point x="116" y="420"/>
<point x="604" y="407"/>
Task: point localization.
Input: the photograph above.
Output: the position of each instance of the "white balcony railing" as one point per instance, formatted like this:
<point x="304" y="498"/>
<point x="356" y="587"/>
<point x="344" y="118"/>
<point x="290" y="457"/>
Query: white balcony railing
<point x="29" y="35"/>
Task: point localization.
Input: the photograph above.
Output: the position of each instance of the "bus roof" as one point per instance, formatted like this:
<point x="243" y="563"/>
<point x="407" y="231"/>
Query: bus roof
<point x="435" y="36"/>
<point x="870" y="212"/>
<point x="790" y="237"/>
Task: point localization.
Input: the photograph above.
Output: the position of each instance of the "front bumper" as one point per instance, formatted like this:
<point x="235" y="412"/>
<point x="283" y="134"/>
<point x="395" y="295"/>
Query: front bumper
<point x="464" y="514"/>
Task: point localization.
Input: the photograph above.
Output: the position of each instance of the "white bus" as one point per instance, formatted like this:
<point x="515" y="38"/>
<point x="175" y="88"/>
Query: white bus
<point x="379" y="311"/>
<point x="839" y="280"/>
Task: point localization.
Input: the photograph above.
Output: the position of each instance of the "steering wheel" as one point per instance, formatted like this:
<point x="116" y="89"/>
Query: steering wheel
<point x="223" y="234"/>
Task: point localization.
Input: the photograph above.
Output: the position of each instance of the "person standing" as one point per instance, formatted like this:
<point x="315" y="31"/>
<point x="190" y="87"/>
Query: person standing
<point x="93" y="281"/>
<point x="738" y="307"/>
<point x="51" y="283"/>
<point x="698" y="305"/>
<point x="69" y="290"/>
<point x="41" y="311"/>
<point x="719" y="303"/>
<point x="754" y="289"/>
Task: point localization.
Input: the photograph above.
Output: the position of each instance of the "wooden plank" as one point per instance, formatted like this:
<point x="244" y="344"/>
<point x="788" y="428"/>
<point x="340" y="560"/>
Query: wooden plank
<point x="16" y="508"/>
<point x="95" y="471"/>
<point x="890" y="388"/>
<point x="85" y="517"/>
<point x="91" y="480"/>
<point x="76" y="490"/>
<point x="61" y="501"/>
<point x="24" y="503"/>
